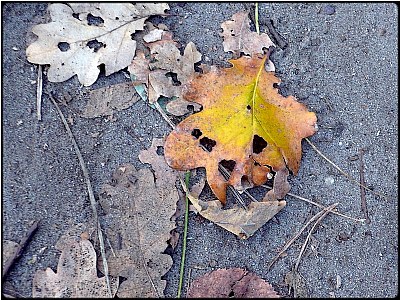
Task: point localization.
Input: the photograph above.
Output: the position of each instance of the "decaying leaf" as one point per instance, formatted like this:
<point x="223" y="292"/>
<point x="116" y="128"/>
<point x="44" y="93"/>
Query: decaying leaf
<point x="238" y="37"/>
<point x="76" y="275"/>
<point x="82" y="36"/>
<point x="241" y="222"/>
<point x="138" y="209"/>
<point x="231" y="283"/>
<point x="244" y="121"/>
<point x="170" y="71"/>
<point x="104" y="101"/>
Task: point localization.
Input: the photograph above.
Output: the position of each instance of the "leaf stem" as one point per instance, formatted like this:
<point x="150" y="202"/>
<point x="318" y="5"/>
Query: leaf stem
<point x="185" y="228"/>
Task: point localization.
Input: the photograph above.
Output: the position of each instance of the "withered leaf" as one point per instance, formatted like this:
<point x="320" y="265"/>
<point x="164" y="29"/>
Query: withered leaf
<point x="244" y="120"/>
<point x="241" y="222"/>
<point x="168" y="74"/>
<point x="76" y="275"/>
<point x="231" y="283"/>
<point x="104" y="101"/>
<point x="82" y="36"/>
<point x="238" y="37"/>
<point x="138" y="210"/>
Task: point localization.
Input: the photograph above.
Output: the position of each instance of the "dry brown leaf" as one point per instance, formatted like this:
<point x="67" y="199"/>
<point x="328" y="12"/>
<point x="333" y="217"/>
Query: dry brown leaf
<point x="238" y="37"/>
<point x="105" y="101"/>
<point x="72" y="44"/>
<point x="138" y="209"/>
<point x="231" y="283"/>
<point x="139" y="68"/>
<point x="237" y="220"/>
<point x="76" y="275"/>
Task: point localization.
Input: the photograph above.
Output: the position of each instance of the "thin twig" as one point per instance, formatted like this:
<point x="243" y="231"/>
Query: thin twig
<point x="20" y="249"/>
<point x="39" y="90"/>
<point x="291" y="241"/>
<point x="364" y="208"/>
<point x="325" y="212"/>
<point x="343" y="172"/>
<point x="182" y="268"/>
<point x="319" y="205"/>
<point x="256" y="18"/>
<point x="89" y="188"/>
<point x="188" y="281"/>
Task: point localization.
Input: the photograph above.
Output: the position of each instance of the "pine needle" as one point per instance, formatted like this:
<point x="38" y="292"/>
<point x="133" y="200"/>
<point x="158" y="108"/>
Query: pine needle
<point x="303" y="248"/>
<point x="319" y="205"/>
<point x="343" y="172"/>
<point x="291" y="241"/>
<point x="182" y="269"/>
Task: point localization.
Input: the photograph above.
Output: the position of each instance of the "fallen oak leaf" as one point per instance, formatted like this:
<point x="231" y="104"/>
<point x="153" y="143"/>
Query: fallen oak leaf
<point x="72" y="44"/>
<point x="137" y="221"/>
<point x="238" y="37"/>
<point x="231" y="283"/>
<point x="76" y="275"/>
<point x="245" y="121"/>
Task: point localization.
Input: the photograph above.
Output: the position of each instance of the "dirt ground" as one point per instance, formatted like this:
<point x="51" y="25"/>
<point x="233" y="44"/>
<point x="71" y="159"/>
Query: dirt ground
<point x="341" y="61"/>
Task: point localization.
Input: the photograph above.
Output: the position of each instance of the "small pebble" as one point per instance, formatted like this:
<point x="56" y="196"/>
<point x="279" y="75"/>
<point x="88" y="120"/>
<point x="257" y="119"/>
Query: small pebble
<point x="15" y="48"/>
<point x="329" y="10"/>
<point x="329" y="180"/>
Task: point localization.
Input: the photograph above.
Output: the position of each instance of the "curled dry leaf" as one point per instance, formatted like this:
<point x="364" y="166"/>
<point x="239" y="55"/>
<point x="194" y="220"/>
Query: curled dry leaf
<point x="238" y="37"/>
<point x="76" y="275"/>
<point x="241" y="222"/>
<point x="104" y="101"/>
<point x="138" y="209"/>
<point x="245" y="122"/>
<point x="231" y="283"/>
<point x="82" y="36"/>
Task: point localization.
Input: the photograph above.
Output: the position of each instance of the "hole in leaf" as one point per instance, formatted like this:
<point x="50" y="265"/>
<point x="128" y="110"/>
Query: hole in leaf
<point x="248" y="107"/>
<point x="196" y="133"/>
<point x="160" y="150"/>
<point x="95" y="21"/>
<point x="207" y="143"/>
<point x="63" y="46"/>
<point x="75" y="15"/>
<point x="245" y="181"/>
<point x="122" y="279"/>
<point x="258" y="144"/>
<point x="116" y="18"/>
<point x="95" y="45"/>
<point x="190" y="108"/>
<point x="228" y="164"/>
<point x="197" y="67"/>
<point x="174" y="78"/>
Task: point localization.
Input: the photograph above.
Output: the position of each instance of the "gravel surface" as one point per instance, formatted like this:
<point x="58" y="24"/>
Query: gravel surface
<point x="341" y="61"/>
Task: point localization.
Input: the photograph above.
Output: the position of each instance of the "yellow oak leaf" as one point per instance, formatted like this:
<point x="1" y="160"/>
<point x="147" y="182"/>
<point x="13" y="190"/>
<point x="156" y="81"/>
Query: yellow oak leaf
<point x="245" y="123"/>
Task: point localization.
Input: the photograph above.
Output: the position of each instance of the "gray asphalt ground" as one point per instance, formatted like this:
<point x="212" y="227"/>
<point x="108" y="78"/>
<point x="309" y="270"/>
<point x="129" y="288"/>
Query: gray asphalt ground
<point x="341" y="61"/>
